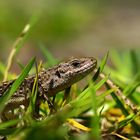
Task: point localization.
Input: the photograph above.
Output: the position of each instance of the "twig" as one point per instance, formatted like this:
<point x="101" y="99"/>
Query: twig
<point x="118" y="92"/>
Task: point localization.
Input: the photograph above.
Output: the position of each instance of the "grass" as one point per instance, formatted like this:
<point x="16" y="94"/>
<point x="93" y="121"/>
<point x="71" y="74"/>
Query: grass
<point x="89" y="113"/>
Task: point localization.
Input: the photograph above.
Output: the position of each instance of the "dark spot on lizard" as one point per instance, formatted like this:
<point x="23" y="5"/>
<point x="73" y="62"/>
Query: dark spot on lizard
<point x="57" y="73"/>
<point x="51" y="84"/>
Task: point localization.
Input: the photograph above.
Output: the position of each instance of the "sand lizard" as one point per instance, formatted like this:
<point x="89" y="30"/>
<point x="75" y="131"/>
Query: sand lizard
<point x="50" y="81"/>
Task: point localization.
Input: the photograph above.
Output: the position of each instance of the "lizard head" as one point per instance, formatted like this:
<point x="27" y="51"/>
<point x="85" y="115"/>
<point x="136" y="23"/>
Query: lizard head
<point x="76" y="68"/>
<point x="67" y="73"/>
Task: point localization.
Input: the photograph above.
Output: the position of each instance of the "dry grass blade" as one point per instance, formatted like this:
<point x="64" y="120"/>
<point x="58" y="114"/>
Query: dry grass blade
<point x="15" y="47"/>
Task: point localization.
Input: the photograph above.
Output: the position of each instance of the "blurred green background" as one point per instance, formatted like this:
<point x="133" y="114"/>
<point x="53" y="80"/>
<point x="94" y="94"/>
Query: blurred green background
<point x="70" y="28"/>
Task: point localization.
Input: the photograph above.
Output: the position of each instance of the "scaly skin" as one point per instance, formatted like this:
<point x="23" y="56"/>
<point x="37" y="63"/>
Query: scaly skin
<point x="50" y="81"/>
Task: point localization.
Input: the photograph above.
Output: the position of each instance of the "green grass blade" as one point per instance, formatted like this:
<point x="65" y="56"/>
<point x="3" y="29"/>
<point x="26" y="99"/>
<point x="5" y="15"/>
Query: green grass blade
<point x="125" y="111"/>
<point x="127" y="120"/>
<point x="103" y="62"/>
<point x="119" y="104"/>
<point x="104" y="94"/>
<point x="101" y="83"/>
<point x="134" y="61"/>
<point x="4" y="99"/>
<point x="95" y="123"/>
<point x="116" y="59"/>
<point x="100" y="69"/>
<point x="97" y="86"/>
<point x="2" y="68"/>
<point x="131" y="88"/>
<point x="9" y="123"/>
<point x="31" y="107"/>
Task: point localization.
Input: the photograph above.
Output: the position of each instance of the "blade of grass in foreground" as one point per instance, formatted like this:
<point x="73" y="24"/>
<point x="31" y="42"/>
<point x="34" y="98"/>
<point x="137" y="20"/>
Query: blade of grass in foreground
<point x="127" y="120"/>
<point x="31" y="107"/>
<point x="103" y="62"/>
<point x="100" y="69"/>
<point x="125" y="111"/>
<point x="8" y="124"/>
<point x="4" y="99"/>
<point x="95" y="122"/>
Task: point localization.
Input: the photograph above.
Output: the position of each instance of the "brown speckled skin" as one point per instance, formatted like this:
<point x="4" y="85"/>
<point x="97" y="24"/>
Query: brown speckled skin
<point x="51" y="81"/>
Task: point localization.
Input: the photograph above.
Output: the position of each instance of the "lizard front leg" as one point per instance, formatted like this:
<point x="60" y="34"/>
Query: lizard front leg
<point x="45" y="96"/>
<point x="42" y="96"/>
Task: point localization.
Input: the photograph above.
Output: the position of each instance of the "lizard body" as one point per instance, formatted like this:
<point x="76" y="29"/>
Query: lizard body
<point x="50" y="81"/>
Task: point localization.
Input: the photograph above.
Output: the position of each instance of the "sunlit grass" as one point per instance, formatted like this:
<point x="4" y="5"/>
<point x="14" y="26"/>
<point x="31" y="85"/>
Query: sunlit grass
<point x="84" y="114"/>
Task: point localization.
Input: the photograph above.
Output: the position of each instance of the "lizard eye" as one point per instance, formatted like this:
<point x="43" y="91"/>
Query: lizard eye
<point x="75" y="63"/>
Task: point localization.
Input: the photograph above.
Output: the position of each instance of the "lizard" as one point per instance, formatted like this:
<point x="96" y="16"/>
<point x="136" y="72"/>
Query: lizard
<point x="50" y="82"/>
